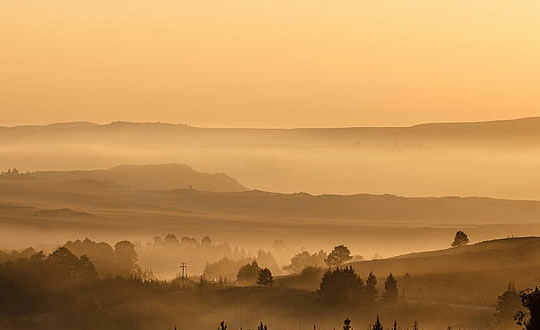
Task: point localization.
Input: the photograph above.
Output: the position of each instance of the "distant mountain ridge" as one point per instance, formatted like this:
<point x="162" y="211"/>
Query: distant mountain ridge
<point x="495" y="158"/>
<point x="509" y="132"/>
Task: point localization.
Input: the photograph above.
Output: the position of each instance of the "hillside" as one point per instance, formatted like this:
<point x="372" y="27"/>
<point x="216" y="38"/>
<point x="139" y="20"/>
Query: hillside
<point x="473" y="275"/>
<point x="487" y="256"/>
<point x="146" y="177"/>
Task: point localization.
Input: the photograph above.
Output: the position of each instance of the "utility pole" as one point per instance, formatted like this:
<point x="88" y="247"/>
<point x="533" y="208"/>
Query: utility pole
<point x="201" y="284"/>
<point x="183" y="274"/>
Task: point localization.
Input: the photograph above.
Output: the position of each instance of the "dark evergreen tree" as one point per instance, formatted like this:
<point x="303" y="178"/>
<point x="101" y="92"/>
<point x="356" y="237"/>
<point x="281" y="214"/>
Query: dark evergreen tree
<point x="390" y="289"/>
<point x="377" y="325"/>
<point x="341" y="286"/>
<point x="371" y="288"/>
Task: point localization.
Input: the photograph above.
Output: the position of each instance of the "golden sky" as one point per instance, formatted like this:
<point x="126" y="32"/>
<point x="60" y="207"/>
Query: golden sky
<point x="273" y="63"/>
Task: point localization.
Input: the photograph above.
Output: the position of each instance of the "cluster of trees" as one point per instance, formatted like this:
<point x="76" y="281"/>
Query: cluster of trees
<point x="171" y="240"/>
<point x="10" y="171"/>
<point x="529" y="319"/>
<point x="109" y="262"/>
<point x="14" y="255"/>
<point x="344" y="286"/>
<point x="305" y="259"/>
<point x="251" y="273"/>
<point x="27" y="282"/>
<point x="229" y="268"/>
<point x="339" y="256"/>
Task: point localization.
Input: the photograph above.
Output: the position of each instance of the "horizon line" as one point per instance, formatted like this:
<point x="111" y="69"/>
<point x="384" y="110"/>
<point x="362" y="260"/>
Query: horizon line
<point x="74" y="122"/>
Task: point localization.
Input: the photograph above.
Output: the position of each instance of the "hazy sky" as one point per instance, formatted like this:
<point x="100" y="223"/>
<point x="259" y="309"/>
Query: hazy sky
<point x="269" y="63"/>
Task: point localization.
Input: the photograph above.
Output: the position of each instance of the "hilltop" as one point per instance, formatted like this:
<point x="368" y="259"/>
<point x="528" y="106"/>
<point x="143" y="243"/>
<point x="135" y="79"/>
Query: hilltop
<point x="144" y="177"/>
<point x="497" y="134"/>
<point x="492" y="255"/>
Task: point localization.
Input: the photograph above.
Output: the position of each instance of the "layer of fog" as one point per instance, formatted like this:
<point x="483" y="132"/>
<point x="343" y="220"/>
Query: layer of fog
<point x="344" y="170"/>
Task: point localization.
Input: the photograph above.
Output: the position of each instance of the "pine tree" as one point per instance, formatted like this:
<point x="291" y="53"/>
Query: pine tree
<point x="390" y="289"/>
<point x="377" y="325"/>
<point x="371" y="290"/>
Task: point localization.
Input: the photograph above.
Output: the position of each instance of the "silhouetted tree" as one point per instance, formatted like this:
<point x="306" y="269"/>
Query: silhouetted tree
<point x="125" y="258"/>
<point x="415" y="325"/>
<point x="371" y="288"/>
<point x="460" y="239"/>
<point x="341" y="286"/>
<point x="265" y="277"/>
<point x="508" y="304"/>
<point x="530" y="299"/>
<point x="222" y="326"/>
<point x="377" y="325"/>
<point x="390" y="293"/>
<point x="339" y="255"/>
<point x="248" y="273"/>
<point x="347" y="324"/>
<point x="262" y="327"/>
<point x="305" y="259"/>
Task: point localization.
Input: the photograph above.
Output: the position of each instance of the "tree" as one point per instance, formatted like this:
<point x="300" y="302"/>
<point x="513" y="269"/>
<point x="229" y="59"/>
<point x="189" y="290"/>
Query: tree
<point x="248" y="273"/>
<point x="302" y="260"/>
<point x="206" y="241"/>
<point x="125" y="258"/>
<point x="339" y="255"/>
<point x="377" y="325"/>
<point x="390" y="289"/>
<point x="508" y="304"/>
<point x="460" y="239"/>
<point x="171" y="239"/>
<point x="222" y="326"/>
<point x="530" y="299"/>
<point x="371" y="288"/>
<point x="265" y="277"/>
<point x="341" y="286"/>
<point x="262" y="327"/>
<point x="347" y="324"/>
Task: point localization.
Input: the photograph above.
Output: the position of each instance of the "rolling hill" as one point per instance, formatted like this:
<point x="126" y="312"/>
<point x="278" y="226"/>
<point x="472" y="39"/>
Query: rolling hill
<point x="144" y="177"/>
<point x="424" y="160"/>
